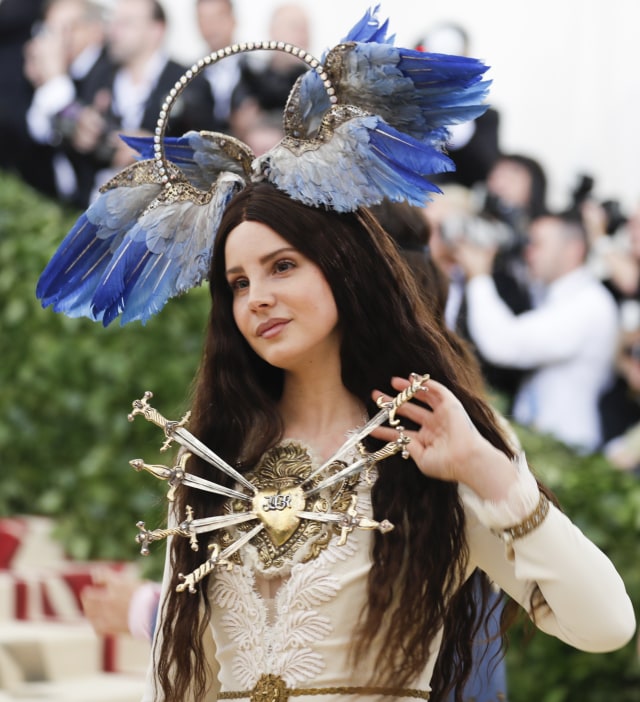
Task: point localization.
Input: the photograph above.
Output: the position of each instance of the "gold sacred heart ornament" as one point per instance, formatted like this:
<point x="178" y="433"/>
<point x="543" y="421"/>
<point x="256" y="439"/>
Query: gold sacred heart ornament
<point x="281" y="495"/>
<point x="278" y="509"/>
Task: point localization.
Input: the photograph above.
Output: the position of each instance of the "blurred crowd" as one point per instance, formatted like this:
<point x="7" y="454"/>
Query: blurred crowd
<point x="83" y="72"/>
<point x="549" y="300"/>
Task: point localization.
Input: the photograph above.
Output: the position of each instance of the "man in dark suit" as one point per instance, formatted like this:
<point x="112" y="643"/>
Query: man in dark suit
<point x="216" y="24"/>
<point x="68" y="65"/>
<point x="19" y="152"/>
<point x="132" y="100"/>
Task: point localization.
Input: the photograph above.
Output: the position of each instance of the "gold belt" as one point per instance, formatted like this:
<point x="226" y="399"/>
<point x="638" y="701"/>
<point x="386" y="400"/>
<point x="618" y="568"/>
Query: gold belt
<point x="272" y="688"/>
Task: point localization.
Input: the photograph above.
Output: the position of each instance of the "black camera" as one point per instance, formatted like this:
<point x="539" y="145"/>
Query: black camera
<point x="614" y="215"/>
<point x="476" y="229"/>
<point x="633" y="350"/>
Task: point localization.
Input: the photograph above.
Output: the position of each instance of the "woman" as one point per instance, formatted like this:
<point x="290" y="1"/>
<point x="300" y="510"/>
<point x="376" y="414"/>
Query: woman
<point x="314" y="316"/>
<point x="330" y="573"/>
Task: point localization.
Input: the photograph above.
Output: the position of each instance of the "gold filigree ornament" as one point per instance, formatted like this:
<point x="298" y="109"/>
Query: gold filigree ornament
<point x="270" y="688"/>
<point x="284" y="504"/>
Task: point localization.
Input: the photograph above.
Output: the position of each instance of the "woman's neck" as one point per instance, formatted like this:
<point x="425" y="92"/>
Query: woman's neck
<point x="319" y="412"/>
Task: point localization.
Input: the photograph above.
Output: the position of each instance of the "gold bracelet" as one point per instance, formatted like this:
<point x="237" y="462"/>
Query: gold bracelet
<point x="528" y="524"/>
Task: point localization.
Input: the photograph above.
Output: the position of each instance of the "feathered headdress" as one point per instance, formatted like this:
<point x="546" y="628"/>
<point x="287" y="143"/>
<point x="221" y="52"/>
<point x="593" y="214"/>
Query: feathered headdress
<point x="367" y="123"/>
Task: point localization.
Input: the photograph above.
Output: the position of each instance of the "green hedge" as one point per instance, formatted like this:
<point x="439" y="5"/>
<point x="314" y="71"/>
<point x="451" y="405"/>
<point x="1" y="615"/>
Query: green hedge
<point x="67" y="387"/>
<point x="65" y="443"/>
<point x="605" y="504"/>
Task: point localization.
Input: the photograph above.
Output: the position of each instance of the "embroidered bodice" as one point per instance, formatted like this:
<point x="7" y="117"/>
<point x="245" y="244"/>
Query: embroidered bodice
<point x="289" y="609"/>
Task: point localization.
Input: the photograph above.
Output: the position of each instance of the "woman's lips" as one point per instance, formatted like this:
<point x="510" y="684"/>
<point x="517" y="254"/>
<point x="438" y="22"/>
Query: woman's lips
<point x="271" y="328"/>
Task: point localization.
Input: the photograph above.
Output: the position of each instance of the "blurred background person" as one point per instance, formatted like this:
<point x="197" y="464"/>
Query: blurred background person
<point x="474" y="145"/>
<point x="615" y="241"/>
<point x="458" y="215"/>
<point x="567" y="343"/>
<point x="620" y="406"/>
<point x="19" y="152"/>
<point x="618" y="263"/>
<point x="130" y="104"/>
<point x="68" y="65"/>
<point x="515" y="193"/>
<point x="217" y="24"/>
<point x="267" y="78"/>
<point x="455" y="204"/>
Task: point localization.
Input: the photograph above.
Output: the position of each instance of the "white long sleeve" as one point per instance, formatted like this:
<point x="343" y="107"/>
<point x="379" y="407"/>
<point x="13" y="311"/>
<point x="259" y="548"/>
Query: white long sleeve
<point x="551" y="333"/>
<point x="588" y="606"/>
<point x="568" y="343"/>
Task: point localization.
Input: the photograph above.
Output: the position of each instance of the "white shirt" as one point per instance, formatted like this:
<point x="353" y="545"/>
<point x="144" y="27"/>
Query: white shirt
<point x="130" y="96"/>
<point x="57" y="93"/>
<point x="129" y="101"/>
<point x="568" y="342"/>
<point x="223" y="78"/>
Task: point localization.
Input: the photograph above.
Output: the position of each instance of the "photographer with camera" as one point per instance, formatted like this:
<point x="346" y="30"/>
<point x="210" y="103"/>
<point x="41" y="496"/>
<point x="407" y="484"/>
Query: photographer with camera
<point x="456" y="216"/>
<point x="145" y="74"/>
<point x="67" y="63"/>
<point x="615" y="243"/>
<point x="621" y="406"/>
<point x="566" y="343"/>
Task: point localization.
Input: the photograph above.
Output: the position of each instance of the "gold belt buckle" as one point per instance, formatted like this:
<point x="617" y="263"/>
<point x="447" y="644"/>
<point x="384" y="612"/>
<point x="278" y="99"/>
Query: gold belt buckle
<point x="270" y="688"/>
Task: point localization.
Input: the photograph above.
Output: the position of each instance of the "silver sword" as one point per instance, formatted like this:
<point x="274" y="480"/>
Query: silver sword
<point x="175" y="431"/>
<point x="388" y="412"/>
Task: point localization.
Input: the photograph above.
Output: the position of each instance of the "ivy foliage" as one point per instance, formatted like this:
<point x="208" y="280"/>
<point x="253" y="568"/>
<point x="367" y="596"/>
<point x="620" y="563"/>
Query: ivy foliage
<point x="66" y="387"/>
<point x="605" y="505"/>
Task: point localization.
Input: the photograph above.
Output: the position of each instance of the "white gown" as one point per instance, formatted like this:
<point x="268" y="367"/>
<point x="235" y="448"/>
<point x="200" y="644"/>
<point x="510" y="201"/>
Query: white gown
<point x="285" y="616"/>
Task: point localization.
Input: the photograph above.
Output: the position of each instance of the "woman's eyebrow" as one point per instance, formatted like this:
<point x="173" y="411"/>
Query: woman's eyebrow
<point x="263" y="259"/>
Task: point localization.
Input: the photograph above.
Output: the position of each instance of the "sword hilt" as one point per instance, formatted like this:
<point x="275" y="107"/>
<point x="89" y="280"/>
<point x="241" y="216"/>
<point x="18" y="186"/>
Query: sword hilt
<point x="152" y="415"/>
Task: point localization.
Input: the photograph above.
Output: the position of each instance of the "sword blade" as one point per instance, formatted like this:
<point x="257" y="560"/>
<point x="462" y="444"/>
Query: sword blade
<point x="188" y="440"/>
<point x="208" y="486"/>
<point x="355" y="467"/>
<point x="321" y="516"/>
<point x="232" y="548"/>
<point x="212" y="523"/>
<point x="375" y="421"/>
<point x="387" y="408"/>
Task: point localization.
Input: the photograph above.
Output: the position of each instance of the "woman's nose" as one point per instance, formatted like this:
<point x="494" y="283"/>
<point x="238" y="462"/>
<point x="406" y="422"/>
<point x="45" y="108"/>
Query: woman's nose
<point x="260" y="295"/>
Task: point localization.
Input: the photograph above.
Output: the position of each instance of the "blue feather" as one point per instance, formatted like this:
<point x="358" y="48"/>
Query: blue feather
<point x="79" y="242"/>
<point x="177" y="149"/>
<point x="409" y="158"/>
<point x="199" y="155"/>
<point x="140" y="243"/>
<point x="68" y="280"/>
<point x="122" y="272"/>
<point x="361" y="163"/>
<point x="368" y="28"/>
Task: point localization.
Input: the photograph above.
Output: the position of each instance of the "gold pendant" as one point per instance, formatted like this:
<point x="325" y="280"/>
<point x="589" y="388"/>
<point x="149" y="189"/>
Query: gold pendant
<point x="277" y="509"/>
<point x="280" y="498"/>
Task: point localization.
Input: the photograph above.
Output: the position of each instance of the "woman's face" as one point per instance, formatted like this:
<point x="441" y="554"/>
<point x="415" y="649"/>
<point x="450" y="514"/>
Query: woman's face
<point x="282" y="303"/>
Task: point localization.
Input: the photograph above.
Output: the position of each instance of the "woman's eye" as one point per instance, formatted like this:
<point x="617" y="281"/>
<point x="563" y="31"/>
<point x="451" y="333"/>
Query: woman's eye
<point x="284" y="265"/>
<point x="238" y="284"/>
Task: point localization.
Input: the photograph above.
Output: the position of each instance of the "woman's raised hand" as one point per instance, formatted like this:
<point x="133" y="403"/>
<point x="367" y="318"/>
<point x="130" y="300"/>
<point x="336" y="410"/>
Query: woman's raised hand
<point x="446" y="445"/>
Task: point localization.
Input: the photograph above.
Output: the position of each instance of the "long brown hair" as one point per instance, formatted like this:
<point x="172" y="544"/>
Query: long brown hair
<point x="387" y="330"/>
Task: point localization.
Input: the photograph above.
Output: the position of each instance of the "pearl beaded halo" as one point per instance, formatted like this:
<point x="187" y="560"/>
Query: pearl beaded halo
<point x="159" y="157"/>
